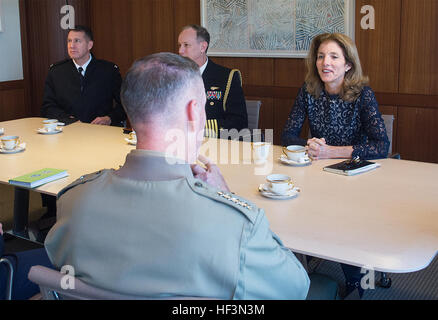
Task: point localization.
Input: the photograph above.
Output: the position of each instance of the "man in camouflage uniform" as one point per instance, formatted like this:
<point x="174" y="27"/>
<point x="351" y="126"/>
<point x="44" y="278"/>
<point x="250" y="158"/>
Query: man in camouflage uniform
<point x="163" y="225"/>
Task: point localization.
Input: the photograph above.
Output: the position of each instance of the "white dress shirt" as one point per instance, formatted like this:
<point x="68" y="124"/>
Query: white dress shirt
<point x="84" y="67"/>
<point x="202" y="68"/>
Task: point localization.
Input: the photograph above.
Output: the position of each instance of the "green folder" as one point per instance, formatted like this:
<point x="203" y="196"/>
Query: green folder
<point x="38" y="178"/>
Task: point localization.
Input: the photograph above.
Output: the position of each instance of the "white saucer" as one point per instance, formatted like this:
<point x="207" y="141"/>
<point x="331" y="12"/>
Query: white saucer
<point x="292" y="193"/>
<point x="131" y="141"/>
<point x="286" y="160"/>
<point x="19" y="148"/>
<point x="44" y="131"/>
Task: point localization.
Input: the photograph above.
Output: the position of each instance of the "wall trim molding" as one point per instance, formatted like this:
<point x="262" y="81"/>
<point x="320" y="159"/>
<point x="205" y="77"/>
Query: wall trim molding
<point x="11" y="85"/>
<point x="387" y="99"/>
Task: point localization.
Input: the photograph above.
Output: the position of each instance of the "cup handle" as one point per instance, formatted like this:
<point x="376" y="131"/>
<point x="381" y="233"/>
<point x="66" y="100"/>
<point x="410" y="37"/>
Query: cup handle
<point x="18" y="143"/>
<point x="307" y="153"/>
<point x="284" y="152"/>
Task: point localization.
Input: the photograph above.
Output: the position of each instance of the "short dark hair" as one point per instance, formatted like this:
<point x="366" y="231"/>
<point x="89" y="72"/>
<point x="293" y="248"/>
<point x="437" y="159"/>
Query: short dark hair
<point x="154" y="83"/>
<point x="84" y="29"/>
<point x="201" y="33"/>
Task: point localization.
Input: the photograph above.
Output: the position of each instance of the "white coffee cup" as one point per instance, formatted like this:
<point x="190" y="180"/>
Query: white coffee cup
<point x="10" y="142"/>
<point x="260" y="151"/>
<point x="279" y="183"/>
<point x="50" y="124"/>
<point x="295" y="152"/>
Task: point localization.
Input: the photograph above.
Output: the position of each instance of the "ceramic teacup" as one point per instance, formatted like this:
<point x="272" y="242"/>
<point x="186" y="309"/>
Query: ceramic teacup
<point x="50" y="124"/>
<point x="295" y="152"/>
<point x="260" y="151"/>
<point x="133" y="136"/>
<point x="10" y="142"/>
<point x="279" y="183"/>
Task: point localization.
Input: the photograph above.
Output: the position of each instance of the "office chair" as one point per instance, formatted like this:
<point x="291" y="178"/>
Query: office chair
<point x="254" y="135"/>
<point x="50" y="283"/>
<point x="10" y="276"/>
<point x="385" y="281"/>
<point x="322" y="287"/>
<point x="253" y="110"/>
<point x="389" y="121"/>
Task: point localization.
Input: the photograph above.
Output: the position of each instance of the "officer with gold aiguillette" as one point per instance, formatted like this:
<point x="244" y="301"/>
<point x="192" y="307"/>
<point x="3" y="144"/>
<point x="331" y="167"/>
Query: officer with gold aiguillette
<point x="225" y="107"/>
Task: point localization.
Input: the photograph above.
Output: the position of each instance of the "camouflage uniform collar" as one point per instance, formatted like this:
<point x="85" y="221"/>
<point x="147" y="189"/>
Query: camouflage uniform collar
<point x="153" y="165"/>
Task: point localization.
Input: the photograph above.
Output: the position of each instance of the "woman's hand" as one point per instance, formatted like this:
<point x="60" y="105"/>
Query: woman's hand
<point x="317" y="148"/>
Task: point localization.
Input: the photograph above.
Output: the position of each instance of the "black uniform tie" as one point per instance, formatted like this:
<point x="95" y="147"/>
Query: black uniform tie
<point x="82" y="78"/>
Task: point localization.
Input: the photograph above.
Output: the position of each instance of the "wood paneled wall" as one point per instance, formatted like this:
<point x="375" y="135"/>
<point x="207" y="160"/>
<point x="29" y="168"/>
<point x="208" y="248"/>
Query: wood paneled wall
<point x="12" y="100"/>
<point x="398" y="56"/>
<point x="44" y="41"/>
<point x="126" y="30"/>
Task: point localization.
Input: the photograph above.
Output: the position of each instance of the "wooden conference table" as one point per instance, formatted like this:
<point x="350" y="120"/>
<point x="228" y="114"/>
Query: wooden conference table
<point x="81" y="148"/>
<point x="385" y="220"/>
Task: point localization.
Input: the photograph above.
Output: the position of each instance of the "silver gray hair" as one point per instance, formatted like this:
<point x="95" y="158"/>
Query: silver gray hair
<point x="153" y="83"/>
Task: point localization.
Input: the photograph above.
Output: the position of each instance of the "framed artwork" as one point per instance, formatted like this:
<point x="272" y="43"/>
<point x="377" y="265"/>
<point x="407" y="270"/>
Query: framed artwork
<point x="275" y="28"/>
<point x="1" y="17"/>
